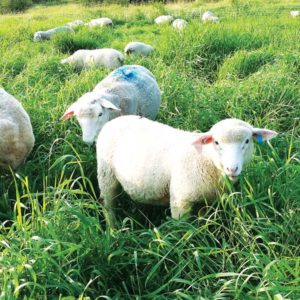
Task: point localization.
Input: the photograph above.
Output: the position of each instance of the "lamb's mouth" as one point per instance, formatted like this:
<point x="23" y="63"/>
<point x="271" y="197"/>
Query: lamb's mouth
<point x="233" y="178"/>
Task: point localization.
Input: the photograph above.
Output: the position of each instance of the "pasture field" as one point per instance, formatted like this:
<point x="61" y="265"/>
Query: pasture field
<point x="54" y="243"/>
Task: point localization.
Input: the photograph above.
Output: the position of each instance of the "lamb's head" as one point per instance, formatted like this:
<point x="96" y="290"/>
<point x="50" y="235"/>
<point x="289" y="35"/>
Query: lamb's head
<point x="92" y="111"/>
<point x="38" y="36"/>
<point x="230" y="144"/>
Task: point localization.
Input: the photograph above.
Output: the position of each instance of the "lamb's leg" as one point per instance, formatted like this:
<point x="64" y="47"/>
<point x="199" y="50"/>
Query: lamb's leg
<point x="179" y="208"/>
<point x="180" y="199"/>
<point x="110" y="188"/>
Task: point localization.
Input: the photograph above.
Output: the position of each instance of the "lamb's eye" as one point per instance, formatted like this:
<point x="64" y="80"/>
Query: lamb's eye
<point x="100" y="114"/>
<point x="216" y="142"/>
<point x="247" y="141"/>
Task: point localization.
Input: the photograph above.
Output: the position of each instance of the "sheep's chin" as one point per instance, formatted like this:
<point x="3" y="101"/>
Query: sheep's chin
<point x="233" y="178"/>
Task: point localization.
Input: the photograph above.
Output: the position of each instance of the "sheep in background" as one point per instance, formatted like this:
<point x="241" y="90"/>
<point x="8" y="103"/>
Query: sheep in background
<point x="47" y="35"/>
<point x="100" y="22"/>
<point x="130" y="89"/>
<point x="105" y="58"/>
<point x="16" y="139"/>
<point x="164" y="19"/>
<point x="295" y="13"/>
<point x="75" y="23"/>
<point x="179" y="24"/>
<point x="208" y="16"/>
<point x="138" y="48"/>
<point x="160" y="165"/>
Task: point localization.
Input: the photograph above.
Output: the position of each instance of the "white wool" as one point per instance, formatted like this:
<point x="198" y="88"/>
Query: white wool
<point x="295" y="13"/>
<point x="164" y="19"/>
<point x="47" y="35"/>
<point x="179" y="24"/>
<point x="16" y="139"/>
<point x="100" y="22"/>
<point x="138" y="48"/>
<point x="76" y="23"/>
<point x="208" y="16"/>
<point x="160" y="165"/>
<point x="128" y="90"/>
<point x="104" y="58"/>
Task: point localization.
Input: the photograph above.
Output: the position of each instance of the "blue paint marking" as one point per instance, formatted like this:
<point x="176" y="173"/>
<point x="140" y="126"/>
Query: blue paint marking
<point x="259" y="138"/>
<point x="126" y="73"/>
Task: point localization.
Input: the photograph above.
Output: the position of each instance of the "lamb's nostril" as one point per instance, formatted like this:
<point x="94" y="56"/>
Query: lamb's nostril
<point x="232" y="170"/>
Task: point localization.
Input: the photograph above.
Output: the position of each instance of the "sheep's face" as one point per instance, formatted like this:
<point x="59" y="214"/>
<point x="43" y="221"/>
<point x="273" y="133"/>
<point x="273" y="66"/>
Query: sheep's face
<point x="231" y="145"/>
<point x="92" y="112"/>
<point x="38" y="36"/>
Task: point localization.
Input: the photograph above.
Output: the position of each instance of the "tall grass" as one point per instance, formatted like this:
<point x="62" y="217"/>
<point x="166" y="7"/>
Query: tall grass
<point x="54" y="243"/>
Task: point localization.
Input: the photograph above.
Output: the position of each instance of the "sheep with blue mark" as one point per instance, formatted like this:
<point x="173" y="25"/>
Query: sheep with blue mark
<point x="129" y="90"/>
<point x="160" y="165"/>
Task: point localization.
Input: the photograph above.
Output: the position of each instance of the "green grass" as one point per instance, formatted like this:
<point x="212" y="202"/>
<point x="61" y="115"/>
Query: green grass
<point x="54" y="243"/>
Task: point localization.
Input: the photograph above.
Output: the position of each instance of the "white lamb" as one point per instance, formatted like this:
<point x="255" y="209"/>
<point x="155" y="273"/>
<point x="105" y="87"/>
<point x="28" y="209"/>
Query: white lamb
<point x="128" y="90"/>
<point x="104" y="58"/>
<point x="100" y="22"/>
<point x="16" y="139"/>
<point x="179" y="24"/>
<point x="164" y="19"/>
<point x="76" y="23"/>
<point x="47" y="35"/>
<point x="138" y="48"/>
<point x="208" y="16"/>
<point x="295" y="13"/>
<point x="160" y="165"/>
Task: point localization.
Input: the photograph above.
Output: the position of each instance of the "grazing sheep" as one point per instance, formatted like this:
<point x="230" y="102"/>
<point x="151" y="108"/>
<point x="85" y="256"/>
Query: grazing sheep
<point x="138" y="48"/>
<point x="104" y="58"/>
<point x="127" y="90"/>
<point x="76" y="23"/>
<point x="163" y="19"/>
<point x="208" y="16"/>
<point x="47" y="35"/>
<point x="179" y="24"/>
<point x="295" y="13"/>
<point x="100" y="22"/>
<point x="16" y="139"/>
<point x="160" y="165"/>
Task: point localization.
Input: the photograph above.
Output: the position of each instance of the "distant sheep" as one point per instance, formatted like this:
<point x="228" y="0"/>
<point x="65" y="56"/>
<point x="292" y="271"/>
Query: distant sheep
<point x="160" y="165"/>
<point x="102" y="22"/>
<point x="179" y="24"/>
<point x="105" y="58"/>
<point x="295" y="13"/>
<point x="208" y="16"/>
<point x="138" y="48"/>
<point x="127" y="90"/>
<point x="16" y="139"/>
<point x="76" y="23"/>
<point x="47" y="35"/>
<point x="164" y="19"/>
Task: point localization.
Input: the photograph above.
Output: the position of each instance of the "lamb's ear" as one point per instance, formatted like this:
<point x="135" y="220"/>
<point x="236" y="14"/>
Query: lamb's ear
<point x="260" y="135"/>
<point x="204" y="139"/>
<point x="69" y="112"/>
<point x="107" y="104"/>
